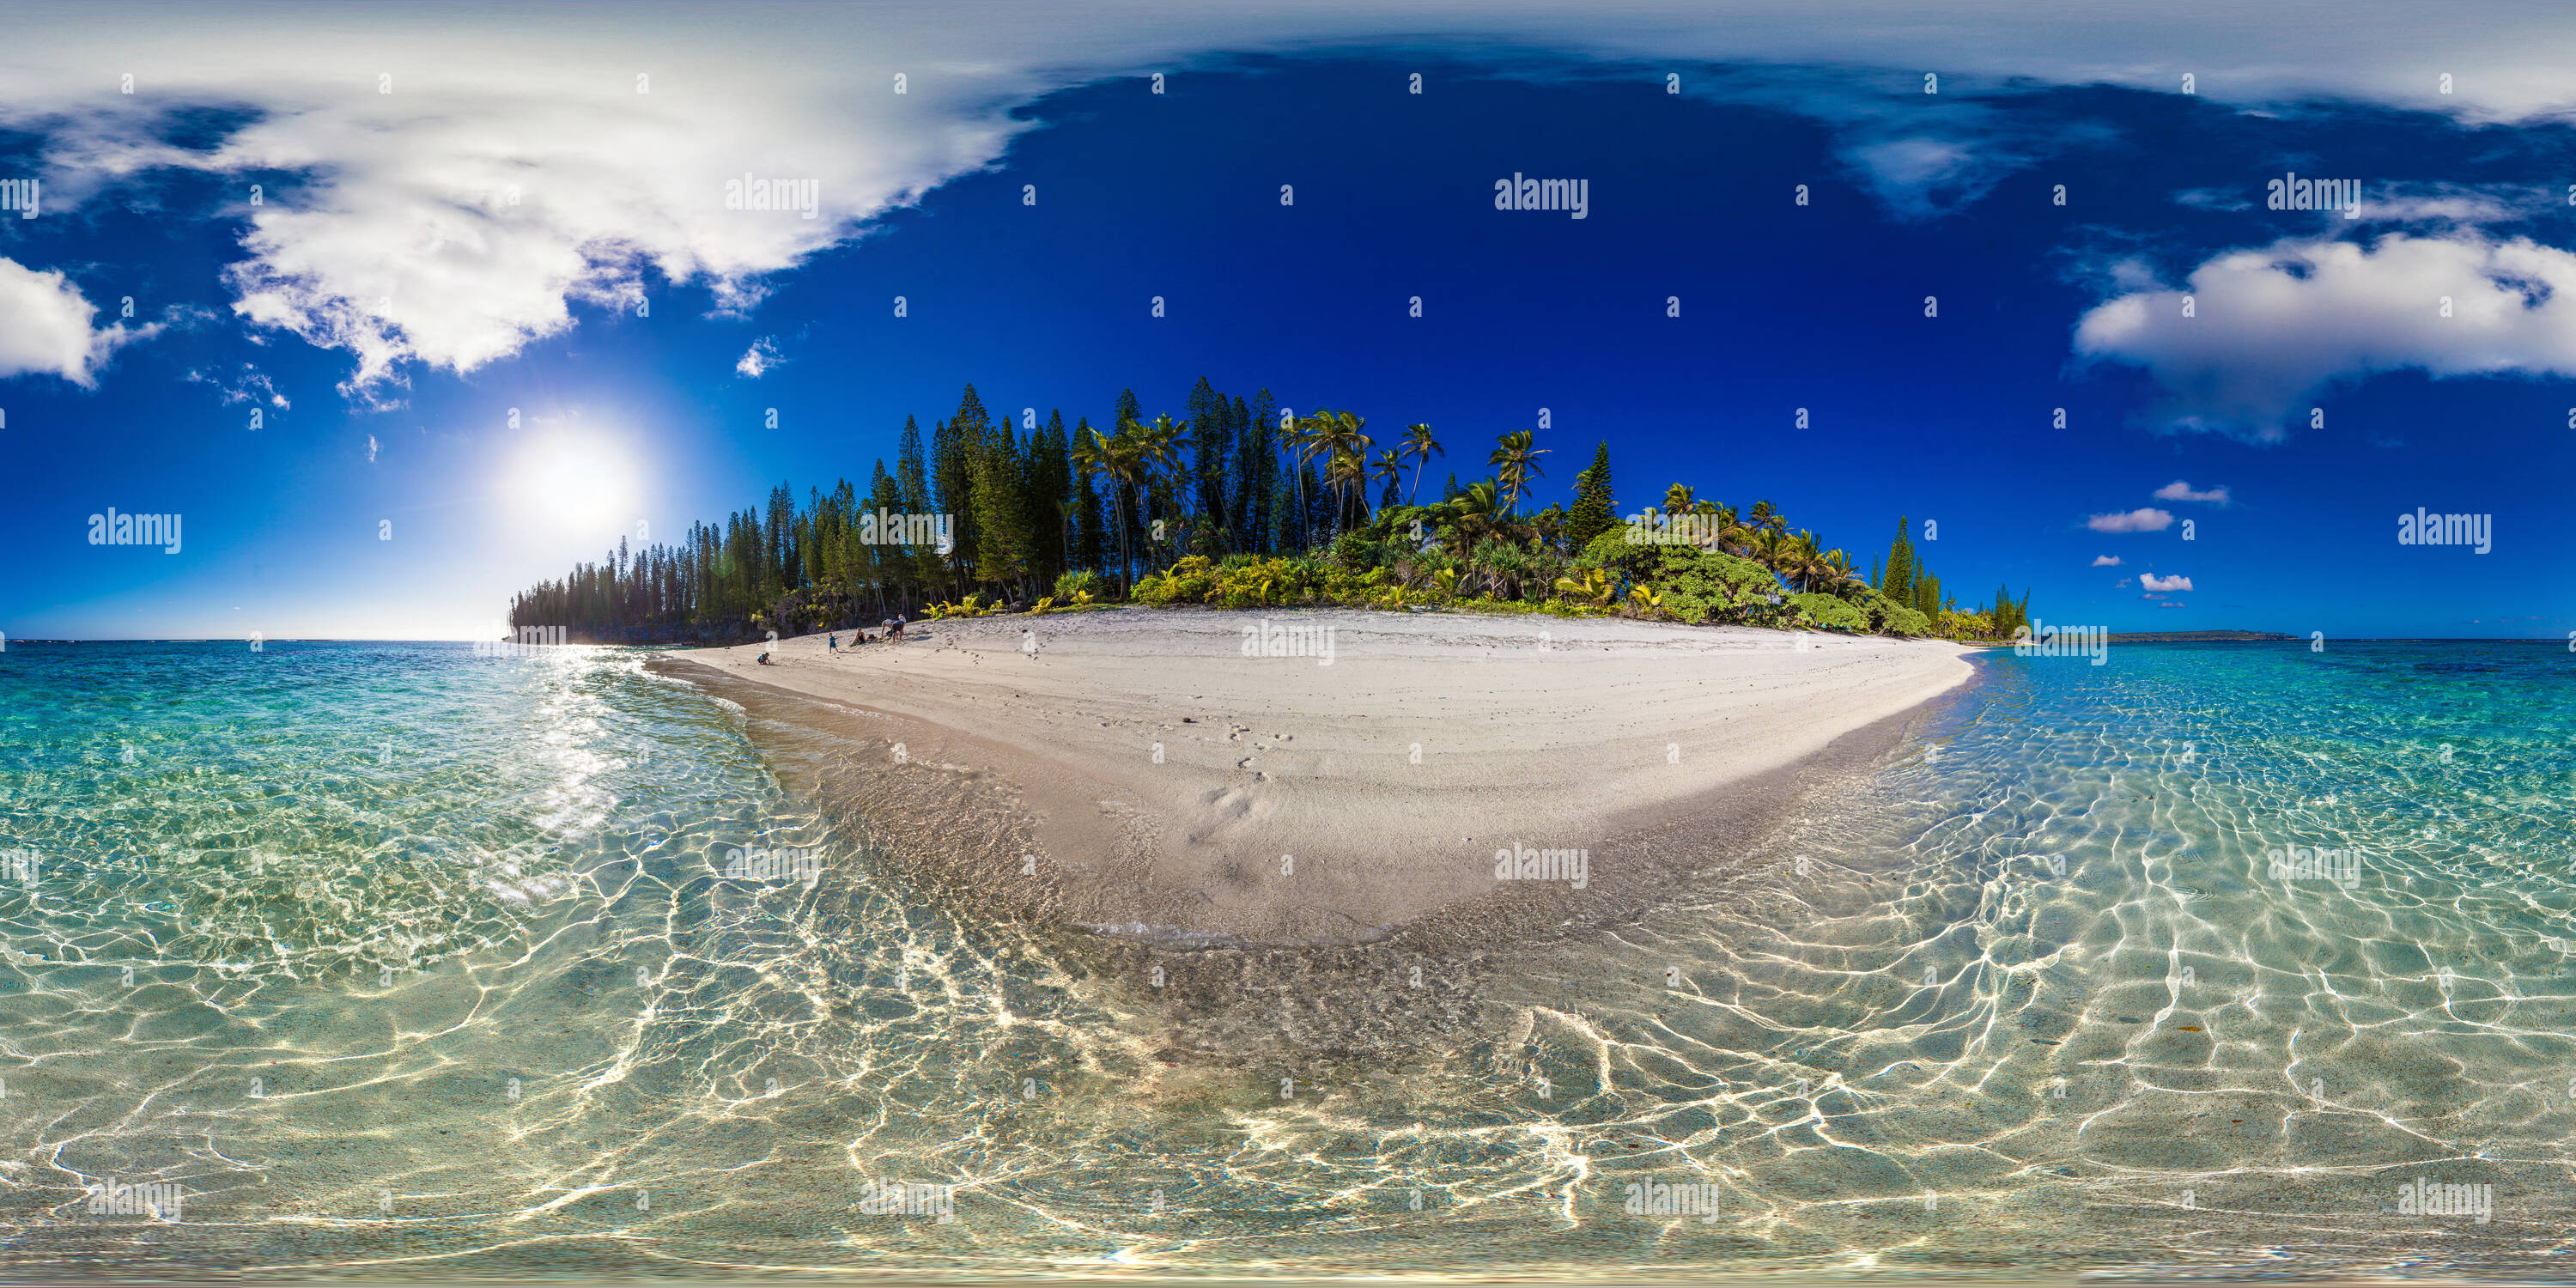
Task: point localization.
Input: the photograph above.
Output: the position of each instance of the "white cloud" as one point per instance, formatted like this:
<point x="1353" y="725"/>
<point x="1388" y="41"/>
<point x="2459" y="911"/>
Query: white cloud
<point x="2163" y="585"/>
<point x="758" y="359"/>
<point x="2106" y="561"/>
<point x="45" y="327"/>
<point x="2173" y="604"/>
<point x="396" y="239"/>
<point x="2148" y="519"/>
<point x="252" y="386"/>
<point x="2274" y="326"/>
<point x="371" y="449"/>
<point x="2179" y="490"/>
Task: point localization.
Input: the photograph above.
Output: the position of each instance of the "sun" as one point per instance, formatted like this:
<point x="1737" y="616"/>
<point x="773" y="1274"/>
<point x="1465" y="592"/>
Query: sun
<point x="573" y="483"/>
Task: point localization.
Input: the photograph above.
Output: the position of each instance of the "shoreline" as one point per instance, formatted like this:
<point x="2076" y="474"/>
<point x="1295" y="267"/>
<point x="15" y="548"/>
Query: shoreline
<point x="1133" y="774"/>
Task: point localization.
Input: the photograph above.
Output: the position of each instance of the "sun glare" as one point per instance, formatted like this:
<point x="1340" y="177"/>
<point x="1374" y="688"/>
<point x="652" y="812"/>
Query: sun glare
<point x="573" y="483"/>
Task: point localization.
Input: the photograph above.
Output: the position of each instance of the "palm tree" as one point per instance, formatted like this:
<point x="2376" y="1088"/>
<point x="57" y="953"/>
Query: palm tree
<point x="1158" y="451"/>
<point x="1838" y="571"/>
<point x="1806" y="563"/>
<point x="1116" y="462"/>
<point x="1420" y="445"/>
<point x="1517" y="463"/>
<point x="1348" y="474"/>
<point x="1389" y="465"/>
<point x="1472" y="514"/>
<point x="1770" y="548"/>
<point x="1303" y="439"/>
<point x="1341" y="435"/>
<point x="1677" y="499"/>
<point x="1765" y="515"/>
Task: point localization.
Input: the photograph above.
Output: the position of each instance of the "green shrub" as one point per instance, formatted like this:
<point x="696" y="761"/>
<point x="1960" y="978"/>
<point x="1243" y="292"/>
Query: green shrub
<point x="1708" y="585"/>
<point x="1071" y="584"/>
<point x="1186" y="582"/>
<point x="1256" y="583"/>
<point x="1888" y="617"/>
<point x="1611" y="553"/>
<point x="1829" y="613"/>
<point x="1354" y="552"/>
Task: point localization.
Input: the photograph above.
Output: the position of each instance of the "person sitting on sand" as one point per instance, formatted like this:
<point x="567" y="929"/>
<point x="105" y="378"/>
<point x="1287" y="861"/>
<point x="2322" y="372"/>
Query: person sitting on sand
<point x="764" y="660"/>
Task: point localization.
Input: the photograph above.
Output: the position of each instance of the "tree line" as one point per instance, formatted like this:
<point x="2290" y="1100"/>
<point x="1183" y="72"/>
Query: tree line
<point x="1027" y="505"/>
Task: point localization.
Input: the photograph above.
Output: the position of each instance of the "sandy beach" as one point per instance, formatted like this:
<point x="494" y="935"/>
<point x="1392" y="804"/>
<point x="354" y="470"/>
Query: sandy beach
<point x="1166" y="776"/>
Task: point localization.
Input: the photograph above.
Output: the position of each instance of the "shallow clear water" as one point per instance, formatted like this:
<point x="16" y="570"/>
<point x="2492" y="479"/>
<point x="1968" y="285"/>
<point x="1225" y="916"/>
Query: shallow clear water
<point x="406" y="962"/>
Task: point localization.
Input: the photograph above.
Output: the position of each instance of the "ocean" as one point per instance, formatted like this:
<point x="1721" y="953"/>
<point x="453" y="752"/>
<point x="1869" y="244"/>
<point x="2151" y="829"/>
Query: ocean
<point x="397" y="961"/>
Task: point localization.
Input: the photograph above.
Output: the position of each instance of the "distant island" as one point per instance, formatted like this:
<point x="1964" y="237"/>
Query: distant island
<point x="2193" y="637"/>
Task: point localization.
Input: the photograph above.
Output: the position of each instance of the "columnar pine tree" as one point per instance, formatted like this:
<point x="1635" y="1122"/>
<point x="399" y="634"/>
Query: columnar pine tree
<point x="1594" y="511"/>
<point x="1899" y="585"/>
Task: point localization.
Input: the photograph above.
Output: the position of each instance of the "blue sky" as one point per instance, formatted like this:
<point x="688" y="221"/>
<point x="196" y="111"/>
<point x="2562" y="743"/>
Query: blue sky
<point x="402" y="416"/>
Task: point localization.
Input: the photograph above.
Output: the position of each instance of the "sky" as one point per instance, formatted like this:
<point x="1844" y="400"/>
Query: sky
<point x="472" y="269"/>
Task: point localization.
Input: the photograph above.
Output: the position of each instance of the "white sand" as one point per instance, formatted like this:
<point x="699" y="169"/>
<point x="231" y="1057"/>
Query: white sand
<point x="1159" y="775"/>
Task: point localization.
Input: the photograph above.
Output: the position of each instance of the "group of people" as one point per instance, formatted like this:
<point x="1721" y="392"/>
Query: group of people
<point x="893" y="632"/>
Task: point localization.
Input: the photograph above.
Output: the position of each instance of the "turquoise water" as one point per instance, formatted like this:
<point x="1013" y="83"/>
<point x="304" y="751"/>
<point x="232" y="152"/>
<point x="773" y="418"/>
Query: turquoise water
<point x="401" y="962"/>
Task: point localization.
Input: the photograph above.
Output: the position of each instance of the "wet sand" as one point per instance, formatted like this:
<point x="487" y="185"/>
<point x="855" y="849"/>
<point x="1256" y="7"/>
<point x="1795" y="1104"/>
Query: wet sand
<point x="1135" y="773"/>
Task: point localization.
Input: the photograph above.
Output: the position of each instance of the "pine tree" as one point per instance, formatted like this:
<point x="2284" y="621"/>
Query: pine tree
<point x="887" y="563"/>
<point x="1254" y="467"/>
<point x="912" y="474"/>
<point x="968" y="432"/>
<point x="1594" y="511"/>
<point x="1001" y="507"/>
<point x="952" y="488"/>
<point x="1287" y="534"/>
<point x="1211" y="420"/>
<point x="1899" y="585"/>
<point x="1051" y="497"/>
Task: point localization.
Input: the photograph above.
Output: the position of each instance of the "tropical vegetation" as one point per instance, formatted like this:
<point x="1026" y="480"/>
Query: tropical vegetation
<point x="1240" y="504"/>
